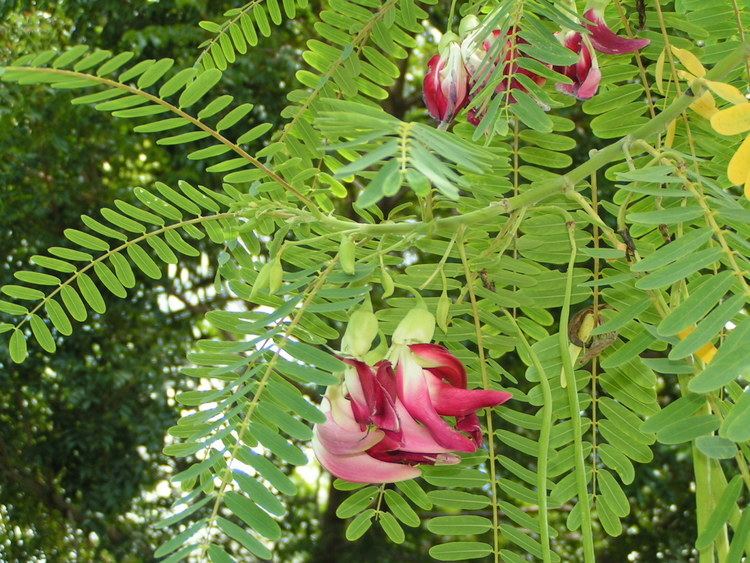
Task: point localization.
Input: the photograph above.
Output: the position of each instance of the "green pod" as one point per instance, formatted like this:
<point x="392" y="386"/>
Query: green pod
<point x="442" y="312"/>
<point x="387" y="282"/>
<point x="347" y="255"/>
<point x="261" y="282"/>
<point x="275" y="276"/>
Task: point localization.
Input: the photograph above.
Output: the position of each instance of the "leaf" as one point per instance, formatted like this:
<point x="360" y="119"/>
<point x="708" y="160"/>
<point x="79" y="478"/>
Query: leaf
<point x="17" y="347"/>
<point x="676" y="411"/>
<point x="400" y="508"/>
<point x="739" y="540"/>
<point x="42" y="334"/>
<point x="680" y="269"/>
<point x="458" y="500"/>
<point x="415" y="493"/>
<point x="199" y="87"/>
<point x="245" y="539"/>
<point x="684" y="245"/>
<point x="688" y="429"/>
<point x="460" y="551"/>
<point x="669" y="216"/>
<point x="732" y="361"/>
<point x="311" y="355"/>
<point x="464" y="525"/>
<point x="391" y="527"/>
<point x="733" y="120"/>
<point x="277" y="444"/>
<point x="357" y="502"/>
<point x="716" y="447"/>
<point x="707" y="328"/>
<point x="360" y="524"/>
<point x="253" y="516"/>
<point x="720" y="514"/>
<point x="736" y="425"/>
<point x="259" y="493"/>
<point x="700" y="302"/>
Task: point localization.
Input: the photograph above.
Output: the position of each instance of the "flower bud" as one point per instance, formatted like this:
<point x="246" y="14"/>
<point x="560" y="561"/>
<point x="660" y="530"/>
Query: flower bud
<point x="445" y="86"/>
<point x="275" y="276"/>
<point x="347" y="255"/>
<point x="360" y="332"/>
<point x="387" y="282"/>
<point x="261" y="281"/>
<point x="417" y="326"/>
<point x="468" y="25"/>
<point x="442" y="312"/>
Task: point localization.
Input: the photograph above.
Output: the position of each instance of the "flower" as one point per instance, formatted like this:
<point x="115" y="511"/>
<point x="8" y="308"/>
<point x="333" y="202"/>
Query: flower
<point x="445" y="86"/>
<point x="431" y="383"/>
<point x="474" y="56"/>
<point x="585" y="74"/>
<point x="605" y="40"/>
<point x="380" y="424"/>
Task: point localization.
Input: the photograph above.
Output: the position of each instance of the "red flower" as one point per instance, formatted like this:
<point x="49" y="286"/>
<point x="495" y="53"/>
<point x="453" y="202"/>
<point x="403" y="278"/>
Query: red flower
<point x="445" y="85"/>
<point x="585" y="74"/>
<point x="605" y="40"/>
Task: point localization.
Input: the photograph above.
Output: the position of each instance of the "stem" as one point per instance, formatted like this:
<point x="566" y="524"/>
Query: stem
<point x="544" y="435"/>
<point x="575" y="408"/>
<point x="485" y="385"/>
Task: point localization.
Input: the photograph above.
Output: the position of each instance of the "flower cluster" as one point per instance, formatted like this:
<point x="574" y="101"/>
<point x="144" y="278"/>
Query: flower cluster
<point x="386" y="418"/>
<point x="460" y="69"/>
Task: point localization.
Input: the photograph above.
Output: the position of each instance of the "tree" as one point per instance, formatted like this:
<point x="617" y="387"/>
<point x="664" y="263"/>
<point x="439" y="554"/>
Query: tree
<point x="605" y="291"/>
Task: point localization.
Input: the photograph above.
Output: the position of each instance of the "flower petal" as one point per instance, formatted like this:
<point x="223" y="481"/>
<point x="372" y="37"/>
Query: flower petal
<point x="607" y="41"/>
<point x="362" y="468"/>
<point x="340" y="440"/>
<point x="451" y="401"/>
<point x="414" y="394"/>
<point x="441" y="362"/>
<point x="361" y="387"/>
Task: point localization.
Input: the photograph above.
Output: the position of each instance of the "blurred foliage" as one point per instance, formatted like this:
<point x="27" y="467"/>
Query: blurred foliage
<point x="81" y="431"/>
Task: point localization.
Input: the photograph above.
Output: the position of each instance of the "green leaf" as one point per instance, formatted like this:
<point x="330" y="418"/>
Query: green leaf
<point x="259" y="493"/>
<point x="680" y="269"/>
<point x="460" y="551"/>
<point x="683" y="246"/>
<point x="42" y="334"/>
<point x="401" y="509"/>
<point x="464" y="525"/>
<point x="199" y="87"/>
<point x="458" y="500"/>
<point x="700" y="302"/>
<point x="736" y="425"/>
<point x="91" y="293"/>
<point x="529" y="112"/>
<point x="58" y="317"/>
<point x="669" y="216"/>
<point x="22" y="293"/>
<point x="688" y="429"/>
<point x="73" y="303"/>
<point x="360" y="524"/>
<point x="415" y="493"/>
<point x="716" y="447"/>
<point x="17" y="347"/>
<point x="357" y="502"/>
<point x="732" y="361"/>
<point x="245" y="539"/>
<point x="277" y="444"/>
<point x="144" y="262"/>
<point x="311" y="355"/>
<point x="86" y="240"/>
<point x="708" y="328"/>
<point x="253" y="516"/>
<point x="739" y="540"/>
<point x="391" y="527"/>
<point x="721" y="514"/>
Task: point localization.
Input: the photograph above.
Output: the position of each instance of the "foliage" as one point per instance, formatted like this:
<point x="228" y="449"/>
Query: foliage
<point x="501" y="233"/>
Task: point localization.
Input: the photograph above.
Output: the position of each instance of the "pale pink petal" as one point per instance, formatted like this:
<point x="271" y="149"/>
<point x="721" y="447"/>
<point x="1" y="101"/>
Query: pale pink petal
<point x="362" y="468"/>
<point x="340" y="440"/>
<point x="360" y="384"/>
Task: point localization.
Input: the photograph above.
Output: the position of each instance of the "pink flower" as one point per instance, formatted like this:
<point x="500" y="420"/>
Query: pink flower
<point x="379" y="425"/>
<point x="605" y="40"/>
<point x="585" y="74"/>
<point x="445" y="86"/>
<point x="431" y="383"/>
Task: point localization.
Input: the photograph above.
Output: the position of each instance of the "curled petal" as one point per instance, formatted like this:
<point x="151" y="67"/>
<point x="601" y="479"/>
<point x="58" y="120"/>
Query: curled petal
<point x="451" y="401"/>
<point x="441" y="362"/>
<point x="470" y="425"/>
<point x="360" y="384"/>
<point x="605" y="40"/>
<point x="414" y="394"/>
<point x="361" y="467"/>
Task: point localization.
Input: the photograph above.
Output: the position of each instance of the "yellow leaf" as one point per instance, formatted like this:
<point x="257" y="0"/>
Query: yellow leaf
<point x="727" y="91"/>
<point x="732" y="121"/>
<point x="689" y="61"/>
<point x="705" y="106"/>
<point x="739" y="166"/>
<point x="671" y="130"/>
<point x="659" y="72"/>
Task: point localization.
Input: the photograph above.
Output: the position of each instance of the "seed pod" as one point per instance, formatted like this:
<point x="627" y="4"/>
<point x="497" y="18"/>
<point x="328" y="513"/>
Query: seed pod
<point x="261" y="282"/>
<point x="442" y="312"/>
<point x="387" y="282"/>
<point x="347" y="255"/>
<point x="275" y="276"/>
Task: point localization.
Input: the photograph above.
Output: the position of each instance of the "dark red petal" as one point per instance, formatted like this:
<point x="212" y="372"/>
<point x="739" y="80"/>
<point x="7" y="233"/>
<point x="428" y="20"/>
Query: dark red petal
<point x="605" y="40"/>
<point x="441" y="362"/>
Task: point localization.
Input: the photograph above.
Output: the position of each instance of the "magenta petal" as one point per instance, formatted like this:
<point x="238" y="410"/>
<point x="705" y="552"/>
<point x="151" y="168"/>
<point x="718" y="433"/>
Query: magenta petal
<point x="590" y="85"/>
<point x="470" y="425"/>
<point x="362" y="468"/>
<point x="441" y="362"/>
<point x="384" y="416"/>
<point x="450" y="401"/>
<point x="605" y="40"/>
<point x="413" y="392"/>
